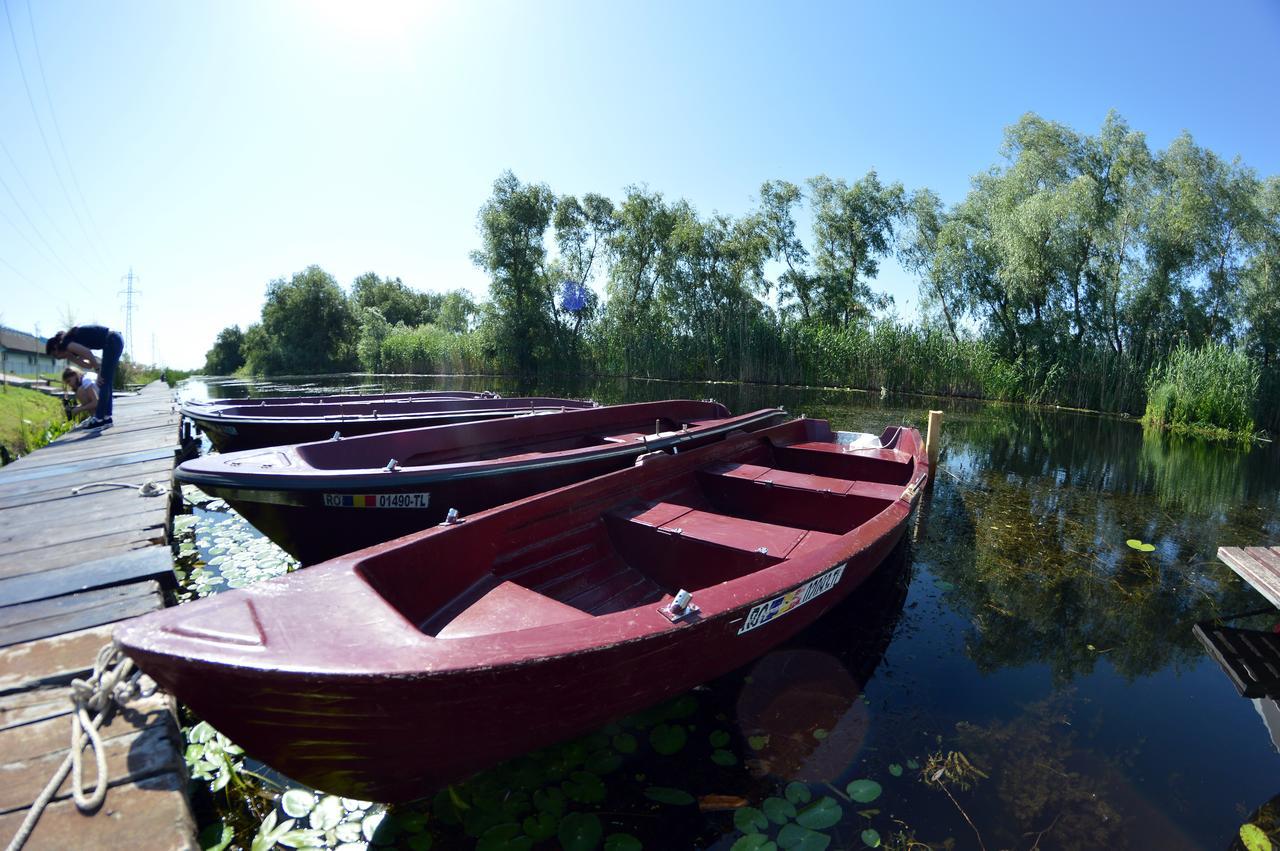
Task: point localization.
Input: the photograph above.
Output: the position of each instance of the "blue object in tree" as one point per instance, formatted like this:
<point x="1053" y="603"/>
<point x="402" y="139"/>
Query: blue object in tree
<point x="573" y="296"/>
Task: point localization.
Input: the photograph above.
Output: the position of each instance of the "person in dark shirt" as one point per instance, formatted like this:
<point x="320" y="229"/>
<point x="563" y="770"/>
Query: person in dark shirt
<point x="76" y="345"/>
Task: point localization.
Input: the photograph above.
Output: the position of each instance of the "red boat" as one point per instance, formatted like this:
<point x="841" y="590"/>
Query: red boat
<point x="390" y="672"/>
<point x="250" y="425"/>
<point x="334" y="398"/>
<point x="319" y="500"/>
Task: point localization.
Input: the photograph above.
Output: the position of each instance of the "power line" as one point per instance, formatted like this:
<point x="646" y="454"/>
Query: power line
<point x="34" y="196"/>
<point x="44" y="82"/>
<point x="59" y="260"/>
<point x="16" y="272"/>
<point x="45" y="139"/>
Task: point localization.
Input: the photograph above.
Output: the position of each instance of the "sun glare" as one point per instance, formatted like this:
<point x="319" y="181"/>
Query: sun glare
<point x="380" y="22"/>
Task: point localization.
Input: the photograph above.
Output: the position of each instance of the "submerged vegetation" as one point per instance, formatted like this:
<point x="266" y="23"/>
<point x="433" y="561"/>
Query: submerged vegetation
<point x="1082" y="270"/>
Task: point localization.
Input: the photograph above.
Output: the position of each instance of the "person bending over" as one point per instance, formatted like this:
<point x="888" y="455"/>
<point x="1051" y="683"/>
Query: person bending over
<point x="85" y="387"/>
<point x="76" y="345"/>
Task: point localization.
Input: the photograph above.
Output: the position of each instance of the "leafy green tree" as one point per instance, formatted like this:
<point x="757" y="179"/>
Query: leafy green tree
<point x="582" y="230"/>
<point x="307" y="328"/>
<point x="778" y="202"/>
<point x="457" y="311"/>
<point x="227" y="354"/>
<point x="396" y="302"/>
<point x="374" y="330"/>
<point x="513" y="224"/>
<point x="853" y="228"/>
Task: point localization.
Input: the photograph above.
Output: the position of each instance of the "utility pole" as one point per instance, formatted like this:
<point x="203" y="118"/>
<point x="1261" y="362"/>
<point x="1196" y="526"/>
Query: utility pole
<point x="129" y="292"/>
<point x="153" y="349"/>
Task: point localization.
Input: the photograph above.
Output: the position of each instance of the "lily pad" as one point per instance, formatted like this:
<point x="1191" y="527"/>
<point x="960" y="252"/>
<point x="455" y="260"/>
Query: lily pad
<point x="821" y="814"/>
<point x="749" y="820"/>
<point x="913" y="765"/>
<point x="1254" y="838"/>
<point x="504" y="837"/>
<point x="668" y="739"/>
<point x="217" y="836"/>
<point x="754" y="842"/>
<point x="328" y="813"/>
<point x="580" y="832"/>
<point x="863" y="791"/>
<point x="667" y="795"/>
<point x="723" y="757"/>
<point x="779" y="810"/>
<point x="624" y="743"/>
<point x="895" y="769"/>
<point x="622" y="842"/>
<point x="550" y="800"/>
<point x="820" y="734"/>
<point x="798" y="793"/>
<point x="1134" y="543"/>
<point x="584" y="787"/>
<point x="944" y="586"/>
<point x="871" y="838"/>
<point x="758" y="743"/>
<point x="603" y="762"/>
<point x="719" y="739"/>
<point x="793" y="836"/>
<point x="541" y="826"/>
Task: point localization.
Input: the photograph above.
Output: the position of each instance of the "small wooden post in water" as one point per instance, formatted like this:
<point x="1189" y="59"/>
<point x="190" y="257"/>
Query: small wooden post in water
<point x="933" y="440"/>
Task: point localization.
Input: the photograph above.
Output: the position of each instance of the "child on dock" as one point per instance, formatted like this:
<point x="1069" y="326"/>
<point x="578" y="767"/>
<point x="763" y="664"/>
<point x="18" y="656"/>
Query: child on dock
<point x="75" y="344"/>
<point x="85" y="388"/>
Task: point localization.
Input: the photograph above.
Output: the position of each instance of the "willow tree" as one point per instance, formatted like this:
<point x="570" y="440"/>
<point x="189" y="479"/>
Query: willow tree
<point x="513" y="223"/>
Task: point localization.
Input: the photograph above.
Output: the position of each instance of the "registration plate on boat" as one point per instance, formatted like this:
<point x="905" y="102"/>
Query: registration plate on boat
<point x="377" y="500"/>
<point x="764" y="612"/>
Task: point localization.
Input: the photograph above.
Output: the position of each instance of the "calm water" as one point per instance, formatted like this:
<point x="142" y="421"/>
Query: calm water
<point x="1015" y="628"/>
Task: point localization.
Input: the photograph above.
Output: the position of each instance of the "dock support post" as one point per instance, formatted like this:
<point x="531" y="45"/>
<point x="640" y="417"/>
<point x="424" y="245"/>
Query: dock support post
<point x="933" y="440"/>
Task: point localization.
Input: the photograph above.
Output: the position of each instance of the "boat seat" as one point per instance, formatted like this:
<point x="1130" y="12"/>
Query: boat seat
<point x="772" y="477"/>
<point x="723" y="530"/>
<point x="506" y="608"/>
<point x="880" y="453"/>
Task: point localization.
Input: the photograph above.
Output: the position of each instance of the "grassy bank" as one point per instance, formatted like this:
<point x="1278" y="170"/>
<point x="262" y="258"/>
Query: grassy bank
<point x="28" y="420"/>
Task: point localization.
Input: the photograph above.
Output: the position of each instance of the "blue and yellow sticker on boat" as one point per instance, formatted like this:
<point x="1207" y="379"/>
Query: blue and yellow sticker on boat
<point x="762" y="613"/>
<point x="377" y="500"/>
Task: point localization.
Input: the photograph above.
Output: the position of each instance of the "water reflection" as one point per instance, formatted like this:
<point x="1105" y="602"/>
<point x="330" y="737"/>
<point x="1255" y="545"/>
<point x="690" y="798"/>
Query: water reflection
<point x="1032" y="640"/>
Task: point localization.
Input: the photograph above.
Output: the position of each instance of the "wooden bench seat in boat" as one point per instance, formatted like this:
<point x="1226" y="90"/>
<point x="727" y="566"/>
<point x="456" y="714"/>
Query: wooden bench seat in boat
<point x="802" y="499"/>
<point x="684" y="547"/>
<point x="832" y="459"/>
<point x="771" y="476"/>
<point x="507" y="608"/>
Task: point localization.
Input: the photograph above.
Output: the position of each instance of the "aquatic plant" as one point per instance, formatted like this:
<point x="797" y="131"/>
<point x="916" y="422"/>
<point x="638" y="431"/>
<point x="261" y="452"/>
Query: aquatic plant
<point x="1211" y="390"/>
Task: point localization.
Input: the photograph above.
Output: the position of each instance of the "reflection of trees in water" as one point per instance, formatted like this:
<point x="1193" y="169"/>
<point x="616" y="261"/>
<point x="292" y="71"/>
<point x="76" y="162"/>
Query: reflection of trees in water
<point x="1033" y="536"/>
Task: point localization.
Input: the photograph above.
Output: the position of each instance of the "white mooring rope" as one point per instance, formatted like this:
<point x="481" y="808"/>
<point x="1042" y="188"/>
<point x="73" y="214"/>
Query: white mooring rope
<point x="113" y="683"/>
<point x="147" y="488"/>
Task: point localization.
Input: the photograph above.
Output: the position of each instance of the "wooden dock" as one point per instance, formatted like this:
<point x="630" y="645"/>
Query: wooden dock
<point x="72" y="563"/>
<point x="1258" y="566"/>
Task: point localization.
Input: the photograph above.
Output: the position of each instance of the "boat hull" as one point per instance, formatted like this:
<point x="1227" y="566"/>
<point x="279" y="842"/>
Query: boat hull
<point x="246" y="427"/>
<point x="400" y="738"/>
<point x="393" y="671"/>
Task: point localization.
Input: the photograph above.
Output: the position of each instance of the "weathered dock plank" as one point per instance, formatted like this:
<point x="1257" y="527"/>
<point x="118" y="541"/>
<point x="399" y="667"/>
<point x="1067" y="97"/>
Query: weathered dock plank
<point x="133" y="566"/>
<point x="152" y="814"/>
<point x="72" y="564"/>
<point x="1258" y="566"/>
<point x="58" y="615"/>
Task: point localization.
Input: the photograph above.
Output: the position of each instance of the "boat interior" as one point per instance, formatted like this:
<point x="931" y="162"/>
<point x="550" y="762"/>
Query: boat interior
<point x="505" y="440"/>
<point x="386" y="407"/>
<point x="766" y="497"/>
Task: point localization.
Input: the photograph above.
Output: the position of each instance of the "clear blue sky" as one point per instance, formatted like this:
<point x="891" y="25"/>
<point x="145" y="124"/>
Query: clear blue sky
<point x="216" y="146"/>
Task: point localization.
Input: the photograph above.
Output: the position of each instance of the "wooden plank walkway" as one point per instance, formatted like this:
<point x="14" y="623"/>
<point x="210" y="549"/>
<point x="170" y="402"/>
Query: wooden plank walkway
<point x="73" y="561"/>
<point x="1258" y="566"/>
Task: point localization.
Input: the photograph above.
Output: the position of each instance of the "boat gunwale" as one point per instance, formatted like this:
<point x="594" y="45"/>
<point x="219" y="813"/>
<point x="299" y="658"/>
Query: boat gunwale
<point x="314" y="479"/>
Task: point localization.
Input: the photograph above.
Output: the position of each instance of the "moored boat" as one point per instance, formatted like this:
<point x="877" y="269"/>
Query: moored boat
<point x="251" y="425"/>
<point x="336" y="398"/>
<point x="319" y="500"/>
<point x="390" y="672"/>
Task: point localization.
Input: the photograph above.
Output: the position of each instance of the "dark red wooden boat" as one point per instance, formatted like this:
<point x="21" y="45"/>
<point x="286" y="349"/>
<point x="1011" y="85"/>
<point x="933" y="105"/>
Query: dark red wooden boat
<point x="390" y="672"/>
<point x="250" y="425"/>
<point x="319" y="500"/>
<point x="335" y="398"/>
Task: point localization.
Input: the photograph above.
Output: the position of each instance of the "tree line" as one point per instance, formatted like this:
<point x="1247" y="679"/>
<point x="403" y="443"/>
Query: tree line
<point x="1071" y="273"/>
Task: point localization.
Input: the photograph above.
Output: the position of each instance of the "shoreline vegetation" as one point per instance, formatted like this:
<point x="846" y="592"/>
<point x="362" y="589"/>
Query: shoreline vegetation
<point x="29" y="420"/>
<point x="1080" y="271"/>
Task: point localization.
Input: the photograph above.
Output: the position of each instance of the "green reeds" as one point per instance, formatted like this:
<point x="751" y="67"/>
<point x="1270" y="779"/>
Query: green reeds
<point x="1211" y="390"/>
